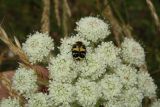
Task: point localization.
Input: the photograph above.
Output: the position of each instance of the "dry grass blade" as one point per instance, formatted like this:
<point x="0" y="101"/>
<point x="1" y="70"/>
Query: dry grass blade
<point x="65" y="16"/>
<point x="46" y="17"/>
<point x="17" y="42"/>
<point x="56" y="9"/>
<point x="3" y="36"/>
<point x="116" y="28"/>
<point x="16" y="50"/>
<point x="68" y="11"/>
<point x="153" y="13"/>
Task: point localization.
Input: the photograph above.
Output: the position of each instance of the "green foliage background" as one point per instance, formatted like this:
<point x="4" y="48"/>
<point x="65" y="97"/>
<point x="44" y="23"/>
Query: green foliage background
<point x="22" y="17"/>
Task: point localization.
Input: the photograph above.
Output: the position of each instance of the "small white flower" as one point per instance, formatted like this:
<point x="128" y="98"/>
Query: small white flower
<point x="9" y="102"/>
<point x="94" y="67"/>
<point x="111" y="86"/>
<point x="92" y="28"/>
<point x="146" y="84"/>
<point x="65" y="105"/>
<point x="132" y="97"/>
<point x="38" y="46"/>
<point x="38" y="100"/>
<point x="156" y="103"/>
<point x="61" y="94"/>
<point x="128" y="75"/>
<point x="129" y="98"/>
<point x="132" y="52"/>
<point x="108" y="54"/>
<point x="61" y="69"/>
<point x="114" y="103"/>
<point x="24" y="81"/>
<point x="87" y="93"/>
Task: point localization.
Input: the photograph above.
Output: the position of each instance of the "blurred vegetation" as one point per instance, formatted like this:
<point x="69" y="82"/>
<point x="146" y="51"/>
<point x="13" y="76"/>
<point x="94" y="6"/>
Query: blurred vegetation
<point x="22" y="17"/>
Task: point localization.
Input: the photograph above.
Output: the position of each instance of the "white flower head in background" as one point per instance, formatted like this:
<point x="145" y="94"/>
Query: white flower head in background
<point x="38" y="46"/>
<point x="61" y="93"/>
<point x="24" y="81"/>
<point x="146" y="84"/>
<point x="87" y="93"/>
<point x="92" y="28"/>
<point x="132" y="52"/>
<point x="38" y="100"/>
<point x="10" y="102"/>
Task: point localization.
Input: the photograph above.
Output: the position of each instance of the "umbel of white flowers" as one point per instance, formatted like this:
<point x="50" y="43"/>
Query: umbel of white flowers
<point x="108" y="75"/>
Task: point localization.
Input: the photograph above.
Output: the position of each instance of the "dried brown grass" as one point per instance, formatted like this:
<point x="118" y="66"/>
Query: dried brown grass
<point x="153" y="13"/>
<point x="118" y="29"/>
<point x="45" y="20"/>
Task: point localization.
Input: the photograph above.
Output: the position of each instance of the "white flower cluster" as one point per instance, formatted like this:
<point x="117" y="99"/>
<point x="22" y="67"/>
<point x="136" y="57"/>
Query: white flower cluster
<point x="24" y="81"/>
<point x="146" y="84"/>
<point x="61" y="93"/>
<point x="10" y="102"/>
<point x="38" y="100"/>
<point x="105" y="75"/>
<point x="38" y="46"/>
<point x="57" y="72"/>
<point x="87" y="92"/>
<point x="132" y="52"/>
<point x="110" y="84"/>
<point x="92" y="28"/>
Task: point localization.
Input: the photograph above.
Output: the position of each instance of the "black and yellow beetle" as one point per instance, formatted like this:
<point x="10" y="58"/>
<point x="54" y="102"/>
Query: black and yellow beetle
<point x="78" y="51"/>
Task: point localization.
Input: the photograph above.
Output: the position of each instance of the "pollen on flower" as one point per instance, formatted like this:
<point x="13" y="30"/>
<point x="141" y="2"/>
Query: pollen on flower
<point x="38" y="46"/>
<point x="92" y="28"/>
